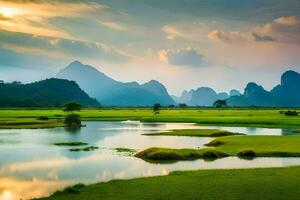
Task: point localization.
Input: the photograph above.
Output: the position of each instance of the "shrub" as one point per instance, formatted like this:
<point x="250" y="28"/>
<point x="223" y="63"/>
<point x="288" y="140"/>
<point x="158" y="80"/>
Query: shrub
<point x="214" y="143"/>
<point x="246" y="153"/>
<point x="72" y="121"/>
<point x="291" y="113"/>
<point x="210" y="155"/>
<point x="43" y="118"/>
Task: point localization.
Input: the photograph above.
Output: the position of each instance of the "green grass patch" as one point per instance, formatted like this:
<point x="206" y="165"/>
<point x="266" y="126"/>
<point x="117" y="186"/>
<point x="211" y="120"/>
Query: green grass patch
<point x="166" y="154"/>
<point x="196" y="133"/>
<point x="296" y="131"/>
<point x="89" y="148"/>
<point x="262" y="146"/>
<point x="70" y="143"/>
<point x="125" y="150"/>
<point x="233" y="184"/>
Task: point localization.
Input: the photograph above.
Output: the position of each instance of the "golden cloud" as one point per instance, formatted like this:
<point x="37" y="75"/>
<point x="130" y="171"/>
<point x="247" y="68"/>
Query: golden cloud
<point x="33" y="17"/>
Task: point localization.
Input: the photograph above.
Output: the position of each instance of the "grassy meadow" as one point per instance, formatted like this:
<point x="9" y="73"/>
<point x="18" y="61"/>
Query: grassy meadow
<point x="225" y="117"/>
<point x="234" y="184"/>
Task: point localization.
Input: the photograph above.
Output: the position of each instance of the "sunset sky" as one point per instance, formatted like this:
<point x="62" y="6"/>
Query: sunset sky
<point x="184" y="44"/>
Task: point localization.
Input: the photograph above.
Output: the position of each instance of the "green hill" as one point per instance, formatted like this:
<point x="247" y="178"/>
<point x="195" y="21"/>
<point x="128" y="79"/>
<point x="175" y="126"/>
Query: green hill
<point x="47" y="93"/>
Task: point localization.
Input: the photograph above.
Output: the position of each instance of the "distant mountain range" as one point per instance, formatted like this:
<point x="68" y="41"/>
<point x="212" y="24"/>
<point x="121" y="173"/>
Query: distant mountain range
<point x="115" y="93"/>
<point x="46" y="93"/>
<point x="203" y="96"/>
<point x="286" y="94"/>
<point x="88" y="86"/>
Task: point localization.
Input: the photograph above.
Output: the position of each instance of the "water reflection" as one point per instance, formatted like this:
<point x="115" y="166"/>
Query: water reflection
<point x="31" y="166"/>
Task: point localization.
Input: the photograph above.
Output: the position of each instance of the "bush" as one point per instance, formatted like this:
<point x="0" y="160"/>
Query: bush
<point x="72" y="121"/>
<point x="43" y="118"/>
<point x="210" y="155"/>
<point x="214" y="143"/>
<point x="291" y="113"/>
<point x="246" y="153"/>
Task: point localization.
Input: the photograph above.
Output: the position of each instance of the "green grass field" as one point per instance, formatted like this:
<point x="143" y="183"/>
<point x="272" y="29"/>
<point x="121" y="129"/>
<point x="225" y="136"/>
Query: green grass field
<point x="246" y="184"/>
<point x="224" y="117"/>
<point x="261" y="146"/>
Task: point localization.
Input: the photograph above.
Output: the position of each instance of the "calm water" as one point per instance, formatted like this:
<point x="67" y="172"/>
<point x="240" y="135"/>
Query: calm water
<point x="31" y="166"/>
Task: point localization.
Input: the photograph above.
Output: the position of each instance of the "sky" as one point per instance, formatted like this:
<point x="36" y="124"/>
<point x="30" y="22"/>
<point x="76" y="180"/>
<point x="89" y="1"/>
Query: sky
<point x="184" y="44"/>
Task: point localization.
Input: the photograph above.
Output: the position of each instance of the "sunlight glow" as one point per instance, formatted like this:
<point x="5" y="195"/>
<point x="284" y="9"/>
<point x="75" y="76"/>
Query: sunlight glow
<point x="8" y="12"/>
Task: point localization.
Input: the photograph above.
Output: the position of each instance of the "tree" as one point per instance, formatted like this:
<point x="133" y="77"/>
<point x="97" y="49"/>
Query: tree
<point x="182" y="105"/>
<point x="72" y="106"/>
<point x="291" y="113"/>
<point x="72" y="120"/>
<point x="220" y="103"/>
<point x="156" y="108"/>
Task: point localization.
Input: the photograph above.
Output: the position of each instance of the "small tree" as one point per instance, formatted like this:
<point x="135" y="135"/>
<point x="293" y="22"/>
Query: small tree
<point x="156" y="108"/>
<point x="72" y="120"/>
<point x="182" y="105"/>
<point x="72" y="106"/>
<point x="220" y="103"/>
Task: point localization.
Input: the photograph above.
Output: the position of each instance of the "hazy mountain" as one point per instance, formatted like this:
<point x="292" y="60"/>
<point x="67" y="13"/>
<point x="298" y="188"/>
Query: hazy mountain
<point x="114" y="93"/>
<point x="254" y="95"/>
<point x="284" y="94"/>
<point x="288" y="92"/>
<point x="234" y="93"/>
<point x="223" y="96"/>
<point x="184" y="98"/>
<point x="203" y="96"/>
<point x="44" y="93"/>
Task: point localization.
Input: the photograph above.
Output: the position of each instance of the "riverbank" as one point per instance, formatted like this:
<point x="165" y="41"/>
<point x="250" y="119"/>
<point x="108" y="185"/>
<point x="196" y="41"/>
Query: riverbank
<point x="235" y="184"/>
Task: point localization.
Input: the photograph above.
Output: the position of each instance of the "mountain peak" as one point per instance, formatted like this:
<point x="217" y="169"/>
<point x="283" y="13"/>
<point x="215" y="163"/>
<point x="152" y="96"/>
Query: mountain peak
<point x="154" y="83"/>
<point x="78" y="66"/>
<point x="290" y="78"/>
<point x="75" y="63"/>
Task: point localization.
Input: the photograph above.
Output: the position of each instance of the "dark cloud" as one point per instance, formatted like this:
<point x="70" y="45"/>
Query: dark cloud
<point x="262" y="38"/>
<point x="185" y="57"/>
<point x="52" y="47"/>
<point x="11" y="59"/>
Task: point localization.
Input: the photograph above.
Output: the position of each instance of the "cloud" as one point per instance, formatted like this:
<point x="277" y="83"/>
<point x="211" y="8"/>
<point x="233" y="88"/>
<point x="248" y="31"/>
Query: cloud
<point x="182" y="57"/>
<point x="114" y="25"/>
<point x="60" y="48"/>
<point x="33" y="17"/>
<point x="188" y="31"/>
<point x="283" y="30"/>
<point x="231" y="37"/>
<point x="4" y="18"/>
<point x="262" y="38"/>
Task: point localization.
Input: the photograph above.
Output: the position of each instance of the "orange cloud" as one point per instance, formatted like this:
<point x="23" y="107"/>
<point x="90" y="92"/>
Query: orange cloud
<point x="33" y="17"/>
